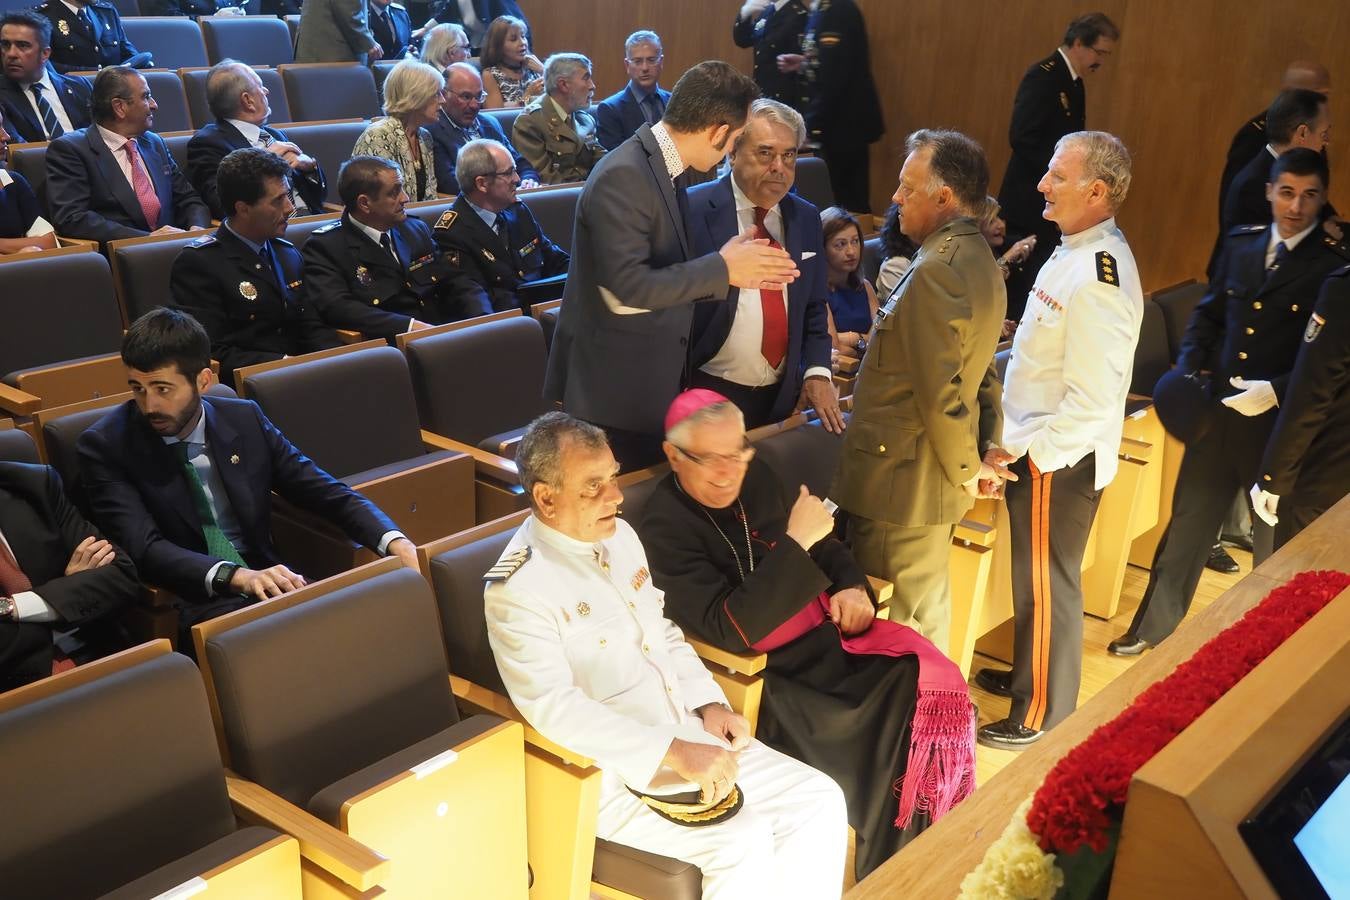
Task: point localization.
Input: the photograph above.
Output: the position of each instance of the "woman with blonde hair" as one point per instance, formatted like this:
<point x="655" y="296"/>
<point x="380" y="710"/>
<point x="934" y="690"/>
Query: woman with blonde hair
<point x="512" y="75"/>
<point x="445" y="44"/>
<point x="412" y="101"/>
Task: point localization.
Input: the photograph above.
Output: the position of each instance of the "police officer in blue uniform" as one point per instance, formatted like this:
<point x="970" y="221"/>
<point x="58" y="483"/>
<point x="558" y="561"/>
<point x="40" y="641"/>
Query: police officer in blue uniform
<point x="773" y="28"/>
<point x="90" y="39"/>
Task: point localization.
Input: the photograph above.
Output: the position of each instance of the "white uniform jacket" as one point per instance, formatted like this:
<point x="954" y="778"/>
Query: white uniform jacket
<point x="589" y="658"/>
<point x="1072" y="357"/>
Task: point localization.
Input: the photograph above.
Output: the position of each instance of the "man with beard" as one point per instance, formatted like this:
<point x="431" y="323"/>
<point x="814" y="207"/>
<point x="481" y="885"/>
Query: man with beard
<point x="748" y="563"/>
<point x="185" y="483"/>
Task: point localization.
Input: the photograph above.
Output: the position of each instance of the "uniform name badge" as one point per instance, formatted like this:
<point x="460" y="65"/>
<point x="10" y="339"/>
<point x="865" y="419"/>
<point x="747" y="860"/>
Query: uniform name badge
<point x="247" y="290"/>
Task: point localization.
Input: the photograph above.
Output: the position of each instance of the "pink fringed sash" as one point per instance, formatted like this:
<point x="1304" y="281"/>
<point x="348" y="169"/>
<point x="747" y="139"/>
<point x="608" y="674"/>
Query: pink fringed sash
<point x="941" y="769"/>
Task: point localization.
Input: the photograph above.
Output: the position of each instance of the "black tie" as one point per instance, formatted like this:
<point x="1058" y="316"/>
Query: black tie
<point x="50" y="123"/>
<point x="270" y="262"/>
<point x="1281" y="254"/>
<point x="651" y="108"/>
<point x="90" y="19"/>
<point x="387" y="243"/>
<point x="499" y="226"/>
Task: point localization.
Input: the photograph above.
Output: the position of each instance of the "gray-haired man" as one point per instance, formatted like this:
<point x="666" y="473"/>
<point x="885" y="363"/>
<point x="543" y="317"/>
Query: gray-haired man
<point x="555" y="132"/>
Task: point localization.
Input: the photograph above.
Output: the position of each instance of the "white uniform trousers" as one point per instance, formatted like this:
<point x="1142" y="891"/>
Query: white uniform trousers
<point x="789" y="840"/>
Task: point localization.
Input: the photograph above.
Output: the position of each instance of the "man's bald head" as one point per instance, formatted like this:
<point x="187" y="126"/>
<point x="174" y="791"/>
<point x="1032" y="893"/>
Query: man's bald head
<point x="1306" y="75"/>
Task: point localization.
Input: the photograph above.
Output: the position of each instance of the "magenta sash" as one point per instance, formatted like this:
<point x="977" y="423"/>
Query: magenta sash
<point x="941" y="768"/>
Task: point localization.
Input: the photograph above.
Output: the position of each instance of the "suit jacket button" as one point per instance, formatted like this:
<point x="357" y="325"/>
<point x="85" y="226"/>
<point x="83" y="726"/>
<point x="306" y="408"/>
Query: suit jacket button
<point x="1256" y="305"/>
<point x="375" y="302"/>
<point x="1251" y="331"/>
<point x="1294" y="308"/>
<point x="1242" y="354"/>
<point x="881" y="448"/>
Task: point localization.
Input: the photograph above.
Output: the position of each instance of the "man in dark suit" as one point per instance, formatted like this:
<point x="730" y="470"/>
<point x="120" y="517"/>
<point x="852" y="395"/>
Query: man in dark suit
<point x="116" y="178"/>
<point x="620" y="354"/>
<point x="184" y="483"/>
<point x="392" y="27"/>
<point x="39" y="103"/>
<point x="475" y="16"/>
<point x="88" y="34"/>
<point x="377" y="270"/>
<point x="461" y="120"/>
<point x="769" y="353"/>
<point x="498" y="242"/>
<point x="642" y="100"/>
<point x="245" y="283"/>
<point x="1245" y="335"/>
<point x="1050" y="103"/>
<point x="238" y="100"/>
<point x="1297" y="118"/>
<point x="56" y="570"/>
<point x="774" y="28"/>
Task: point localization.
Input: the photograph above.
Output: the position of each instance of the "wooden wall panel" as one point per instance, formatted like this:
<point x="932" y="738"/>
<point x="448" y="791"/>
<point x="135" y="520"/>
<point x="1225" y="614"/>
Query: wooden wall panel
<point x="1182" y="80"/>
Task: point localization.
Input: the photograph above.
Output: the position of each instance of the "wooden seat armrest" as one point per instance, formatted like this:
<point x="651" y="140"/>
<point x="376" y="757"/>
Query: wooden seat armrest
<point x="974" y="532"/>
<point x="489" y="701"/>
<point x="485" y="463"/>
<point x="1132" y="449"/>
<point x="848" y="365"/>
<point x="158" y="597"/>
<point x="507" y="448"/>
<point x="883" y="589"/>
<point x="20" y="403"/>
<point x="320" y="843"/>
<point x="350" y="337"/>
<point x="740" y="663"/>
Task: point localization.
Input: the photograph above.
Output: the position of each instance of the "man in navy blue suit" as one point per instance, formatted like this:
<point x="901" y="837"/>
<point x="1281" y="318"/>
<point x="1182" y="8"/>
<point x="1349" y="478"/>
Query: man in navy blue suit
<point x="461" y="120"/>
<point x="39" y="103"/>
<point x="475" y="16"/>
<point x="184" y="483"/>
<point x="238" y="99"/>
<point x="642" y="101"/>
<point x="392" y="27"/>
<point x="768" y="353"/>
<point x="116" y="178"/>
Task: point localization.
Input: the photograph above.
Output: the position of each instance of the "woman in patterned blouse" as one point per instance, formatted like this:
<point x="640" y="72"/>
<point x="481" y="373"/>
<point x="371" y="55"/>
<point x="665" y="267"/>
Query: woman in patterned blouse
<point x="412" y="100"/>
<point x="513" y="76"/>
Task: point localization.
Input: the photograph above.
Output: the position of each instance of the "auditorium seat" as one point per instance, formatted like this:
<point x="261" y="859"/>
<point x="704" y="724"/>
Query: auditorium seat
<point x="547" y="314"/>
<point x="505" y="118"/>
<point x="177" y="144"/>
<point x="127" y="7"/>
<point x="30" y="161"/>
<point x="292" y="23"/>
<point x="321" y="91"/>
<point x="194" y="85"/>
<point x="172" y="107"/>
<point x="16" y="445"/>
<point x="1178" y="302"/>
<point x="61" y="333"/>
<point x="556" y="210"/>
<point x="813" y="181"/>
<point x="371" y="438"/>
<point x="335" y="698"/>
<point x="256" y="40"/>
<point x="381" y="70"/>
<point x="873" y="251"/>
<point x="114" y="788"/>
<point x="141" y="269"/>
<point x="330" y="143"/>
<point x="1152" y="356"/>
<point x="503" y="360"/>
<point x="173" y="41"/>
<point x="563" y="788"/>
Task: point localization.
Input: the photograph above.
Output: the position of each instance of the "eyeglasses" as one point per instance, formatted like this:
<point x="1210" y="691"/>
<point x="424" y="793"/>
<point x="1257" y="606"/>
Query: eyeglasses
<point x="507" y="174"/>
<point x="467" y="97"/>
<point x="645" y="60"/>
<point x="739" y="458"/>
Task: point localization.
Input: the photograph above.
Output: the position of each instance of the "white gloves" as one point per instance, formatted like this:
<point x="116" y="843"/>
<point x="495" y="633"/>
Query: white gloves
<point x="1256" y="397"/>
<point x="1264" y="504"/>
<point x="753" y="8"/>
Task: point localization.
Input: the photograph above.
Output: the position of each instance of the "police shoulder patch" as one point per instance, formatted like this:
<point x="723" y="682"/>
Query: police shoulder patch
<point x="508" y="565"/>
<point x="447" y="219"/>
<point x="1106" y="269"/>
<point x="1315" y="323"/>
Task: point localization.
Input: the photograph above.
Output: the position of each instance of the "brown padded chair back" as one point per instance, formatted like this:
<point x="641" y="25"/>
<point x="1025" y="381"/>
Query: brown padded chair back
<point x="505" y="118"/>
<point x="457" y="577"/>
<point x="331" y="144"/>
<point x="446" y="368"/>
<point x="172" y="112"/>
<point x="812" y="182"/>
<point x="174" y="41"/>
<point x="556" y="211"/>
<point x="321" y="92"/>
<point x="374" y="423"/>
<point x="110" y="780"/>
<point x="1177" y="306"/>
<point x="807" y="454"/>
<point x="256" y="40"/>
<point x="1152" y="357"/>
<point x="143" y="271"/>
<point x="635" y="497"/>
<point x="17" y="446"/>
<point x="56" y="309"/>
<point x="313" y="693"/>
<point x="194" y="85"/>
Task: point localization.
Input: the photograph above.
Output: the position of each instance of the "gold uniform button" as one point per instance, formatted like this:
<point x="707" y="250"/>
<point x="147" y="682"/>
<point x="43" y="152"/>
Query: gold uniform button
<point x="1242" y="355"/>
<point x="632" y="605"/>
<point x="1294" y="308"/>
<point x="1251" y="331"/>
<point x="1265" y="478"/>
<point x="1256" y="305"/>
<point x="375" y="302"/>
<point x="603" y="642"/>
<point x="646" y="649"/>
<point x="881" y="448"/>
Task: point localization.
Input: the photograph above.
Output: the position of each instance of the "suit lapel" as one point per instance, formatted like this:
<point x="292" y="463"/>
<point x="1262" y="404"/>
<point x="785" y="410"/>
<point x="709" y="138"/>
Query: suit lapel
<point x="23" y="111"/>
<point x="657" y="163"/>
<point x="161" y="471"/>
<point x="225" y="447"/>
<point x="233" y="135"/>
<point x="1293" y="265"/>
<point x="720" y="219"/>
<point x="111" y="171"/>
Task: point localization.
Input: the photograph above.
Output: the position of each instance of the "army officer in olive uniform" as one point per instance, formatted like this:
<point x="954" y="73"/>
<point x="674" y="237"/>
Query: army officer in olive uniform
<point x="555" y="132"/>
<point x="376" y="270"/>
<point x="245" y="283"/>
<point x="926" y="406"/>
<point x="90" y="39"/>
<point x="498" y="241"/>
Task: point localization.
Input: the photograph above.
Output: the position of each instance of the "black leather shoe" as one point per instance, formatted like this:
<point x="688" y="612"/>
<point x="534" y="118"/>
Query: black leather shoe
<point x="1007" y="735"/>
<point x="1240" y="541"/>
<point x="995" y="681"/>
<point x="1128" y="644"/>
<point x="1220" y="561"/>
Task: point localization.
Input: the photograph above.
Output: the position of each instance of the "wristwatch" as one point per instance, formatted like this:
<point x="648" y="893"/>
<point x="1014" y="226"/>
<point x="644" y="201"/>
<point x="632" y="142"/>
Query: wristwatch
<point x="220" y="584"/>
<point x="861" y="346"/>
<point x="8" y="608"/>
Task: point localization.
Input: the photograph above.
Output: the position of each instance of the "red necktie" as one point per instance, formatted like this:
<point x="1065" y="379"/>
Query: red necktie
<point x="12" y="579"/>
<point x="773" y="342"/>
<point x="140" y="183"/>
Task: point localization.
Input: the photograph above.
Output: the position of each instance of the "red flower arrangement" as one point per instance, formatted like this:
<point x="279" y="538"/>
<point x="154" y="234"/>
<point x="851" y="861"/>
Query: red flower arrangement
<point x="1082" y="796"/>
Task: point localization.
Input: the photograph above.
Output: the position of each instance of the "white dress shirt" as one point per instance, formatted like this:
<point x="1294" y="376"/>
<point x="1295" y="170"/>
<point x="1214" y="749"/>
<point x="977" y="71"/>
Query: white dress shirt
<point x="584" y="648"/>
<point x="739" y="360"/>
<point x="1072" y="357"/>
<point x="249" y="130"/>
<point x="115" y="143"/>
<point x="1068" y="62"/>
<point x="29" y="605"/>
<point x="40" y="225"/>
<point x="1290" y="242"/>
<point x="53" y="99"/>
